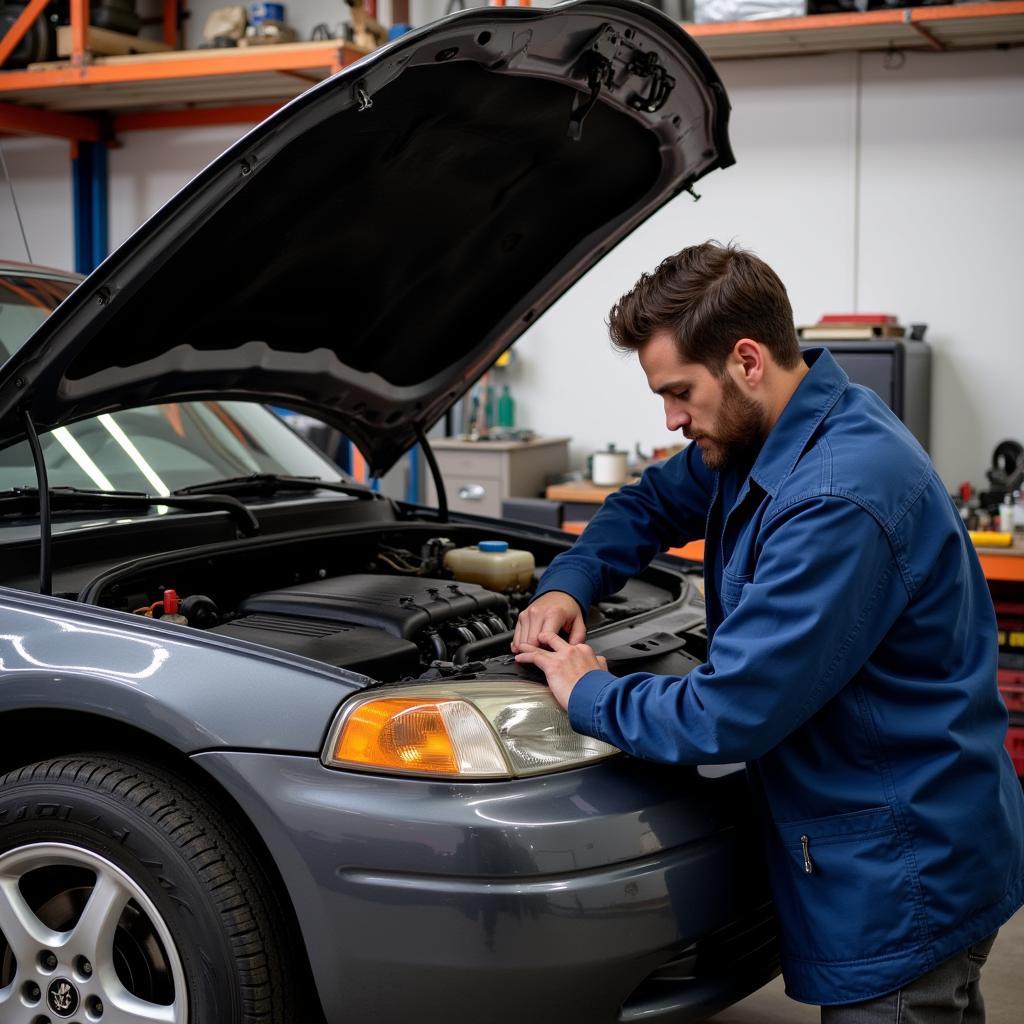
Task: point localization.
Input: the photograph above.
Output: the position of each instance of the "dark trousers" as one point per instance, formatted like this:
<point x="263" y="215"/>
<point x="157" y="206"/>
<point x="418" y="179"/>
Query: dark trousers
<point x="950" y="994"/>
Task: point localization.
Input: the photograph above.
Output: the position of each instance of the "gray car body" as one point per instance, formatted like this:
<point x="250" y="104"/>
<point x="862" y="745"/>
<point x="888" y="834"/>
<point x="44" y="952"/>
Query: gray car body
<point x="561" y="897"/>
<point x="554" y="896"/>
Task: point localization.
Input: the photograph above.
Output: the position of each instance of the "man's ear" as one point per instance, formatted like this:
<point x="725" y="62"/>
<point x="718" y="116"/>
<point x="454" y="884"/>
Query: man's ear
<point x="747" y="360"/>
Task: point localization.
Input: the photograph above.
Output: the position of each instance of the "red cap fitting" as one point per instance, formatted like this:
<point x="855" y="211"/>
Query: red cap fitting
<point x="171" y="602"/>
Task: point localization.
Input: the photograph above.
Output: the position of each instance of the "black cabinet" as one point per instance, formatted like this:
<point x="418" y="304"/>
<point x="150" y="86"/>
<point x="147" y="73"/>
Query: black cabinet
<point x="899" y="371"/>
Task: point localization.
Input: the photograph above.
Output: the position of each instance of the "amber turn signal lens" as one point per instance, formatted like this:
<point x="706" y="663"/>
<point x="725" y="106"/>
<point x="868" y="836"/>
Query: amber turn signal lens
<point x="462" y="729"/>
<point x="402" y="734"/>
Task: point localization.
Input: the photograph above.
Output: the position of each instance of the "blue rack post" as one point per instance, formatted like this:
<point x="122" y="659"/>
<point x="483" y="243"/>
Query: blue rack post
<point x="90" y="204"/>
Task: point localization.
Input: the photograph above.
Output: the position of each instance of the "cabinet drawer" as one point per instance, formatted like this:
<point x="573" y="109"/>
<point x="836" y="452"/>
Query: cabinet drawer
<point x="461" y="463"/>
<point x="478" y="495"/>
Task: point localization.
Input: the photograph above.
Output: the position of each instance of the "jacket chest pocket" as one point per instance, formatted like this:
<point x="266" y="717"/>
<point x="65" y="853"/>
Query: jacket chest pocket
<point x="843" y="887"/>
<point x="731" y="589"/>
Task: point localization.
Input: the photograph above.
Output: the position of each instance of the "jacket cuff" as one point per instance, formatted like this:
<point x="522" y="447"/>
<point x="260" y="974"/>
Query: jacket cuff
<point x="574" y="582"/>
<point x="584" y="701"/>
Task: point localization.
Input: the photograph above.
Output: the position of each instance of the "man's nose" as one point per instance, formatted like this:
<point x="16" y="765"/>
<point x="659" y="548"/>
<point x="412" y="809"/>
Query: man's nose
<point x="676" y="419"/>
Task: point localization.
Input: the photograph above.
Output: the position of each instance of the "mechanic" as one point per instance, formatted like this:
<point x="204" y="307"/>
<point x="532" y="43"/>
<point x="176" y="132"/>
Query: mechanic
<point x="852" y="646"/>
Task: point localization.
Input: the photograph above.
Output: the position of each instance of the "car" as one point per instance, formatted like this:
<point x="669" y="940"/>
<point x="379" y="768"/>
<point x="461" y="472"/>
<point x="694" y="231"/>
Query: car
<point x="266" y="755"/>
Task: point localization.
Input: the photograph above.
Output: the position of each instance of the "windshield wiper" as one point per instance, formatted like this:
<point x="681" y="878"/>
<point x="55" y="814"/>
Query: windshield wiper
<point x="267" y="484"/>
<point x="21" y="500"/>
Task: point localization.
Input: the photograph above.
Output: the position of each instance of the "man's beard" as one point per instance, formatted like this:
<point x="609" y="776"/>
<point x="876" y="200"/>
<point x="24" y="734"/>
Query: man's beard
<point x="740" y="429"/>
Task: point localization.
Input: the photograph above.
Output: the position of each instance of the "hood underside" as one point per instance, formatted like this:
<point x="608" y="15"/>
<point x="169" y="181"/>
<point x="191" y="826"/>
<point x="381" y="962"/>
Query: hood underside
<point x="369" y="250"/>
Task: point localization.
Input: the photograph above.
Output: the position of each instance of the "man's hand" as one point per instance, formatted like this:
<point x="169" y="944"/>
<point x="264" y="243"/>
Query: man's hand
<point x="550" y="613"/>
<point x="564" y="664"/>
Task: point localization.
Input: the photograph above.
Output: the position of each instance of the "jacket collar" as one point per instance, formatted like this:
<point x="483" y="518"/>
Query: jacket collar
<point x="812" y="401"/>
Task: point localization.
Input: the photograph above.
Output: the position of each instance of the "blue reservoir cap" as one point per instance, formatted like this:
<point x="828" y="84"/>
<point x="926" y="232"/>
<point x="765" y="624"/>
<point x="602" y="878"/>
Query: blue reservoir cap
<point x="493" y="545"/>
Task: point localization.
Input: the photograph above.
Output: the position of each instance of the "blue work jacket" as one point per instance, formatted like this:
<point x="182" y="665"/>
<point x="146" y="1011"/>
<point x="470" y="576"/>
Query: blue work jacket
<point x="851" y="664"/>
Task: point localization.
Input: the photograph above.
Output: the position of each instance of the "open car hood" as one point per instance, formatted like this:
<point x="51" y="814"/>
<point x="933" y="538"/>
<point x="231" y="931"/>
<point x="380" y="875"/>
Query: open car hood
<point x="368" y="251"/>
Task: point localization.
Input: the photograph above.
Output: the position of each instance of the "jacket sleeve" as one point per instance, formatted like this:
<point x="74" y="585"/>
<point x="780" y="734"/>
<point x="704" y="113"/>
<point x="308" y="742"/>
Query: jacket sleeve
<point x="826" y="590"/>
<point x="667" y="507"/>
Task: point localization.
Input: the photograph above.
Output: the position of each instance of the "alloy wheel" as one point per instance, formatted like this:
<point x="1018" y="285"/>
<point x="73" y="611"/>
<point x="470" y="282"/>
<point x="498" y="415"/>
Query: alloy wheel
<point x="81" y="942"/>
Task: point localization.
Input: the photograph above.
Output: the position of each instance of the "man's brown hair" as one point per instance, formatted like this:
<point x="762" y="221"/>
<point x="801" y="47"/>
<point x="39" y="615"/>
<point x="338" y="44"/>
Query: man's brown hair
<point x="709" y="296"/>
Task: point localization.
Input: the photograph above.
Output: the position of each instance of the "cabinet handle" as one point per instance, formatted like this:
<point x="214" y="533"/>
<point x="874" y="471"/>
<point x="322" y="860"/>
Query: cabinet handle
<point x="472" y="492"/>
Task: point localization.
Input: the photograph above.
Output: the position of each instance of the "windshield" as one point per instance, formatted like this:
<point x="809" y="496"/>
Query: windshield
<point x="26" y="300"/>
<point x="156" y="449"/>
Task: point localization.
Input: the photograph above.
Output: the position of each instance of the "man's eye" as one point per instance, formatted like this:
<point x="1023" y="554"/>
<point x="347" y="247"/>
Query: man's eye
<point x="683" y="395"/>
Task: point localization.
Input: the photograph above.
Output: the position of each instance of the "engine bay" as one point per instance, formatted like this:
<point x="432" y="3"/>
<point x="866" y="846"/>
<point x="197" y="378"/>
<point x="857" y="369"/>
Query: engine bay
<point x="387" y="605"/>
<point x="385" y="626"/>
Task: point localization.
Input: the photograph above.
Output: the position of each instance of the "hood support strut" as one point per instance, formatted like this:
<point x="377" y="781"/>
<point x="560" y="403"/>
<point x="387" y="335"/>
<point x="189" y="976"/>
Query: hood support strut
<point x="435" y="472"/>
<point x="45" y="530"/>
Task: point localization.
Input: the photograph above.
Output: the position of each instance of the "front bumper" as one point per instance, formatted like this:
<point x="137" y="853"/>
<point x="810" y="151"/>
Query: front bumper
<point x="618" y="892"/>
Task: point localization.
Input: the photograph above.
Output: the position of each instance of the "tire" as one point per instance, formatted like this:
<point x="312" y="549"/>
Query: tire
<point x="37" y="44"/>
<point x="199" y="938"/>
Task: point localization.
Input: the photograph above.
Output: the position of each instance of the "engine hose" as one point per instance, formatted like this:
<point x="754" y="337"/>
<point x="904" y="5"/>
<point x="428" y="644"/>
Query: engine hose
<point x="479" y="628"/>
<point x="497" y="626"/>
<point x="464" y="633"/>
<point x="438" y="644"/>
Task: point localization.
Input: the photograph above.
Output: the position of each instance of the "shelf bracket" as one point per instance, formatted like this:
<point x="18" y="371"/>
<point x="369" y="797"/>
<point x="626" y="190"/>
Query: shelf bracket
<point x="933" y="42"/>
<point x="25" y="120"/>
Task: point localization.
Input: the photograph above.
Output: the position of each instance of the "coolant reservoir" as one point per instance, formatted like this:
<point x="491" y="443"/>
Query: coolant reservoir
<point x="491" y="564"/>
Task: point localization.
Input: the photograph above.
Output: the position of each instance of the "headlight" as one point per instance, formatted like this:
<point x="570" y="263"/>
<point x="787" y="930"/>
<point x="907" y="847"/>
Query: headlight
<point x="467" y="730"/>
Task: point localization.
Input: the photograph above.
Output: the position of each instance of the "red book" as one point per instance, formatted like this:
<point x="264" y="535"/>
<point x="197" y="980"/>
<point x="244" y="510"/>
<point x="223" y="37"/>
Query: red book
<point x="858" y="318"/>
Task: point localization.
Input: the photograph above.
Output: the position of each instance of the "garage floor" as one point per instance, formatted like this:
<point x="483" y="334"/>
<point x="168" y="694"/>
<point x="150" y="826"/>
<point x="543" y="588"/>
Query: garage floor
<point x="1002" y="983"/>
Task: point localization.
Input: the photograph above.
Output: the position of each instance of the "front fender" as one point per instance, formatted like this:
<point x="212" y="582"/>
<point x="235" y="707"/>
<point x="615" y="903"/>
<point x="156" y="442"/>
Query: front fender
<point x="193" y="690"/>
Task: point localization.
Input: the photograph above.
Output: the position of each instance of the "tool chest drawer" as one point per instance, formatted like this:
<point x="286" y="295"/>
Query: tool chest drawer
<point x="1015" y="745"/>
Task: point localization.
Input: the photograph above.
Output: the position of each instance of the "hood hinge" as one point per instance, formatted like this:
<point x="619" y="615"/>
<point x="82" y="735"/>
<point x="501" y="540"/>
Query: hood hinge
<point x="596" y="65"/>
<point x="647" y="65"/>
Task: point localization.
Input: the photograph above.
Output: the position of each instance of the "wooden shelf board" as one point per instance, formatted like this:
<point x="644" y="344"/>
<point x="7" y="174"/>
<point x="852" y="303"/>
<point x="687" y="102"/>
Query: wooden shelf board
<point x="954" y="26"/>
<point x="277" y="73"/>
<point x="102" y="40"/>
<point x="193" y="75"/>
<point x="883" y="37"/>
<point x="581" y="491"/>
<point x="268" y="87"/>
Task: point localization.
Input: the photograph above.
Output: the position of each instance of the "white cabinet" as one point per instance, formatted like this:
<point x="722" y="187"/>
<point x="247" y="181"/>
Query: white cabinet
<point x="479" y="474"/>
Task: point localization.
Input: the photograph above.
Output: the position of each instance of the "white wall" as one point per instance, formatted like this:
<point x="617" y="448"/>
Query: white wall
<point x="789" y="197"/>
<point x="866" y="186"/>
<point x="41" y="172"/>
<point x="149" y="167"/>
<point x="941" y="231"/>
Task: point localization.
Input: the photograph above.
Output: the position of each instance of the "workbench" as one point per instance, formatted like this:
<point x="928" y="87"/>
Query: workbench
<point x="581" y="500"/>
<point x="1006" y="564"/>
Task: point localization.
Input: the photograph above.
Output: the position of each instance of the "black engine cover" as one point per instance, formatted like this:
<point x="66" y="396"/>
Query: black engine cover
<point x="357" y="648"/>
<point x="403" y="606"/>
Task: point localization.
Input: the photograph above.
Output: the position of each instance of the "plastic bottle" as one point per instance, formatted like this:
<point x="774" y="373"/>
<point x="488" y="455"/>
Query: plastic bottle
<point x="506" y="409"/>
<point x="491" y="564"/>
<point x="1006" y="514"/>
